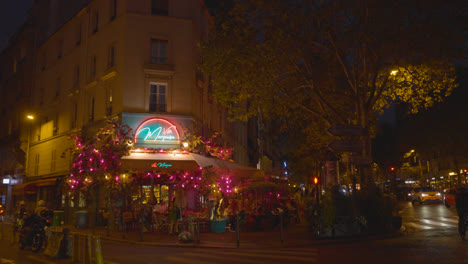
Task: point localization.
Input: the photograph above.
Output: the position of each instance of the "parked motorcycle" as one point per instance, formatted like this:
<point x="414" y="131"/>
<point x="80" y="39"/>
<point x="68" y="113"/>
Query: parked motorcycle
<point x="33" y="233"/>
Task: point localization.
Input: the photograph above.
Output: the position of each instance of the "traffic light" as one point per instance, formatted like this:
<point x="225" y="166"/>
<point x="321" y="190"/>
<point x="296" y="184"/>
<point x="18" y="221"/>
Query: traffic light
<point x="392" y="169"/>
<point x="316" y="180"/>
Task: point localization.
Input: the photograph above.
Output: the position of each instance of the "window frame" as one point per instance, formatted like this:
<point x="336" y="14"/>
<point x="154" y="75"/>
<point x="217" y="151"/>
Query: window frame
<point x="157" y="105"/>
<point x="155" y="10"/>
<point x="158" y="59"/>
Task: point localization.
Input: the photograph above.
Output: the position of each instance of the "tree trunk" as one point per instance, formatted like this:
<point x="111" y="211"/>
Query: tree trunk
<point x="367" y="180"/>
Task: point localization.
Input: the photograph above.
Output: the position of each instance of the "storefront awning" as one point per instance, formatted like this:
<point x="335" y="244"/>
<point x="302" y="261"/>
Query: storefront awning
<point x="159" y="162"/>
<point x="32" y="187"/>
<point x="179" y="162"/>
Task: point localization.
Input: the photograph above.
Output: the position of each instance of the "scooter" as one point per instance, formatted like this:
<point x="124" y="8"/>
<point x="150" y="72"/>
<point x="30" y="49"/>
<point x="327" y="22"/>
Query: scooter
<point x="32" y="232"/>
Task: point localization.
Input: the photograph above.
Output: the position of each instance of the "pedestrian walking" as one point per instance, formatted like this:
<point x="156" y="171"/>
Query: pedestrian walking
<point x="20" y="214"/>
<point x="174" y="215"/>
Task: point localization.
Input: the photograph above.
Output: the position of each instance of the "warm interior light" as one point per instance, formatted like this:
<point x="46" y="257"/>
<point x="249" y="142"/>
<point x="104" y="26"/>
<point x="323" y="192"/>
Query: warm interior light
<point x="185" y="144"/>
<point x="30" y="117"/>
<point x="394" y="72"/>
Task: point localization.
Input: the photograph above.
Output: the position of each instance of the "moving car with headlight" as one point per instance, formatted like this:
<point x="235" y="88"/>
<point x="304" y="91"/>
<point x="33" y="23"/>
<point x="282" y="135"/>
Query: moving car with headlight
<point x="425" y="195"/>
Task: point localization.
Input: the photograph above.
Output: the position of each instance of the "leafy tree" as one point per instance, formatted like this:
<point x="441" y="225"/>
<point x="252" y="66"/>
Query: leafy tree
<point x="97" y="162"/>
<point x="446" y="140"/>
<point x="318" y="63"/>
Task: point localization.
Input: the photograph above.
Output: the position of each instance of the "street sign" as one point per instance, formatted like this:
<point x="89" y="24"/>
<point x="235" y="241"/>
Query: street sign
<point x="358" y="160"/>
<point x="346" y="130"/>
<point x="346" y="145"/>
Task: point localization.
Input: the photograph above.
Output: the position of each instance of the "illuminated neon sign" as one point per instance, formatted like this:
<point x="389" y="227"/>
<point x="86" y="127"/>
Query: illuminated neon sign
<point x="157" y="131"/>
<point x="161" y="165"/>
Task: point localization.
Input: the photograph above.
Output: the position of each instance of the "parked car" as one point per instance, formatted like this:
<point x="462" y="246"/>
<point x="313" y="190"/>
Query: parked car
<point x="426" y="194"/>
<point x="449" y="197"/>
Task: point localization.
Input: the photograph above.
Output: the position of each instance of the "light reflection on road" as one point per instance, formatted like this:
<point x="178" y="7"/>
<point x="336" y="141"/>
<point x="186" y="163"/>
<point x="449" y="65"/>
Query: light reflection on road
<point x="425" y="211"/>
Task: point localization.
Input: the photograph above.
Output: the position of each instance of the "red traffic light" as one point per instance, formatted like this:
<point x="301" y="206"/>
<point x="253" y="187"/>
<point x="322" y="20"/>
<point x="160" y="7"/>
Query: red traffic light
<point x="316" y="180"/>
<point x="392" y="168"/>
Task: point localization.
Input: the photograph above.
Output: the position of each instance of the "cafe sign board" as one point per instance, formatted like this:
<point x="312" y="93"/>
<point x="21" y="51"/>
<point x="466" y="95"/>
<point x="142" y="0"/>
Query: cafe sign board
<point x="156" y="131"/>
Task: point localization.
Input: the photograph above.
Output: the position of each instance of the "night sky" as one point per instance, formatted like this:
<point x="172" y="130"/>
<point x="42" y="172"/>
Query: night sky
<point x="13" y="13"/>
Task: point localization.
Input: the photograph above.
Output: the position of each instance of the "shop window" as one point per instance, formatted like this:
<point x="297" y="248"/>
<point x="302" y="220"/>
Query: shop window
<point x="160" y="7"/>
<point x="158" y="94"/>
<point x="161" y="193"/>
<point x="158" y="51"/>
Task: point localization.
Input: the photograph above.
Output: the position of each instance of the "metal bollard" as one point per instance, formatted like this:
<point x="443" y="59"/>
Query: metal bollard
<point x="98" y="250"/>
<point x="88" y="253"/>
<point x="237" y="229"/>
<point x="1" y="230"/>
<point x="281" y="227"/>
<point x="198" y="232"/>
<point x="76" y="248"/>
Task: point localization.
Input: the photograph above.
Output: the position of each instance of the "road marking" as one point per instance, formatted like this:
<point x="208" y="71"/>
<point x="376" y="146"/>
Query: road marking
<point x="183" y="260"/>
<point x="427" y="221"/>
<point x="40" y="260"/>
<point x="419" y="226"/>
<point x="269" y="255"/>
<point x="449" y="220"/>
<point x="7" y="261"/>
<point x="282" y="251"/>
<point x="110" y="262"/>
<point x="204" y="255"/>
<point x="310" y="259"/>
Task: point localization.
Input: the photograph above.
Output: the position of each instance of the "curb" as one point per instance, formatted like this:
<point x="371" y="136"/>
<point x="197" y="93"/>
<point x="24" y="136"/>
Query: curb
<point x="325" y="241"/>
<point x="180" y="245"/>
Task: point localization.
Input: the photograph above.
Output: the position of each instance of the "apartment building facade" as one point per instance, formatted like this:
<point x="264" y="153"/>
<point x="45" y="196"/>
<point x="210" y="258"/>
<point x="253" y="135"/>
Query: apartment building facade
<point x="130" y="60"/>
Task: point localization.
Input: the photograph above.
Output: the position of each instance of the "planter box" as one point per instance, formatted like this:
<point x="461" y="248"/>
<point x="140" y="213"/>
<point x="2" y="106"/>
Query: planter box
<point x="218" y="226"/>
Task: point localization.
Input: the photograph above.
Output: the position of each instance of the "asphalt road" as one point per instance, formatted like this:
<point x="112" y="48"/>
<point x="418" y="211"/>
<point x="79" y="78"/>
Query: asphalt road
<point x="431" y="236"/>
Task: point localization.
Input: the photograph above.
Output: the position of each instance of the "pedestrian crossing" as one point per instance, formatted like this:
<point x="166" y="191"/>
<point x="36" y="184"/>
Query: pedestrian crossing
<point x="249" y="256"/>
<point x="432" y="223"/>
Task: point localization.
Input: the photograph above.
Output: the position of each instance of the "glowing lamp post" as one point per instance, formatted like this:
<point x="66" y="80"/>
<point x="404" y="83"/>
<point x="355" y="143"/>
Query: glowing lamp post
<point x="26" y="165"/>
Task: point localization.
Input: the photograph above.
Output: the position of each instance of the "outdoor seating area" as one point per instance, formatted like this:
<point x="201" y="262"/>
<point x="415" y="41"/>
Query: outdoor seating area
<point x="221" y="217"/>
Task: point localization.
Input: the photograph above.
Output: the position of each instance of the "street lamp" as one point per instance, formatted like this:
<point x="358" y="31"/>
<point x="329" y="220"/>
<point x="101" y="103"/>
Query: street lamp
<point x="26" y="165"/>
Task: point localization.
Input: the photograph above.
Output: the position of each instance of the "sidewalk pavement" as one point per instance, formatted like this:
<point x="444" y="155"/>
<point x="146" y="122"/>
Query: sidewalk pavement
<point x="293" y="236"/>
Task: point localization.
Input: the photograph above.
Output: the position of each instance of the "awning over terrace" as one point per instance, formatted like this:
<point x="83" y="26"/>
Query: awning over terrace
<point x="181" y="162"/>
<point x="32" y="187"/>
